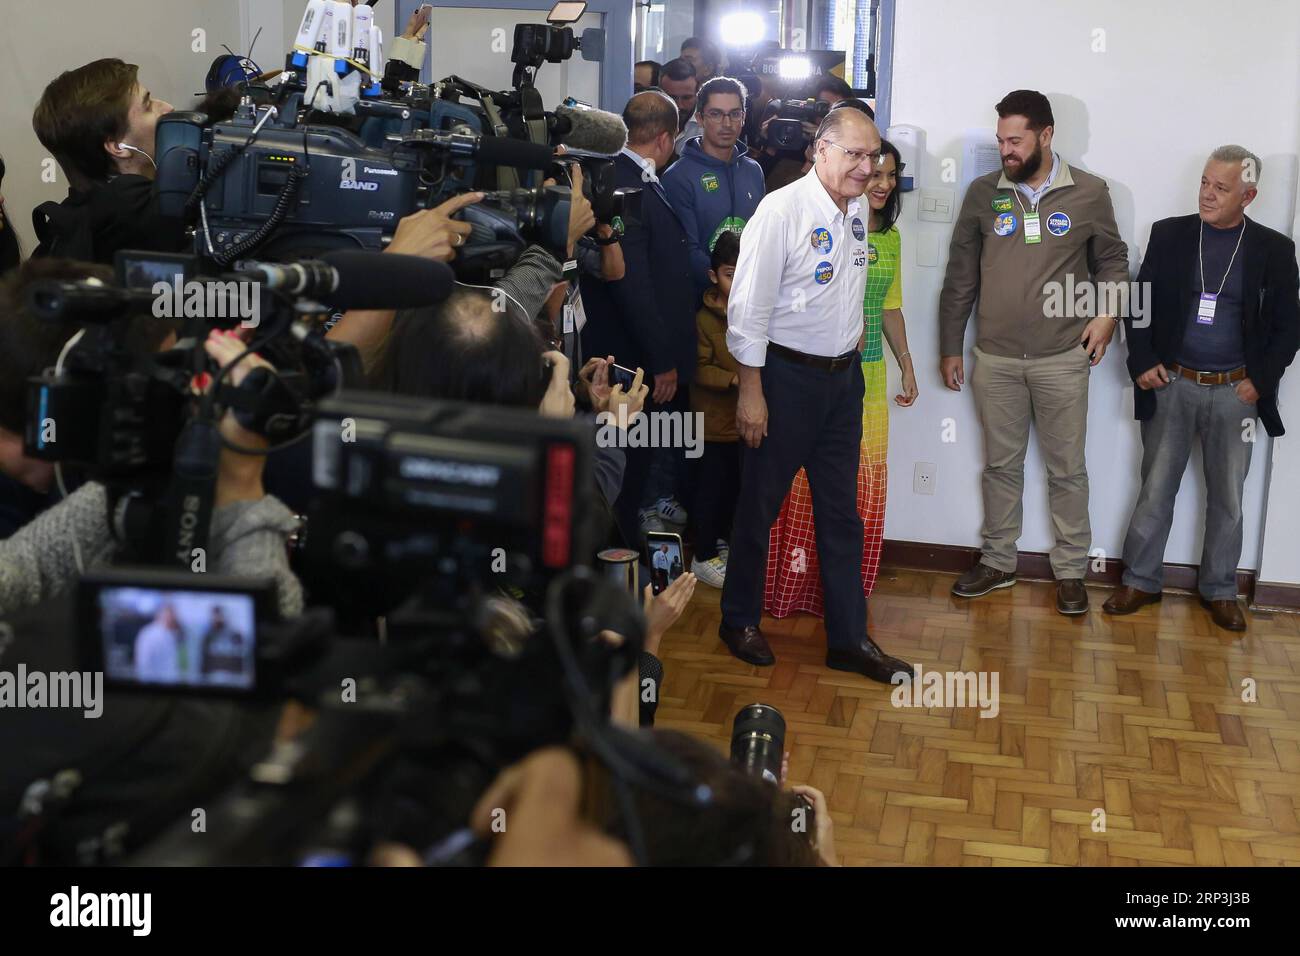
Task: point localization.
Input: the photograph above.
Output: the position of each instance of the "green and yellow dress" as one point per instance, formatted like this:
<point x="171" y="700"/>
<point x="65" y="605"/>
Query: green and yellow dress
<point x="793" y="577"/>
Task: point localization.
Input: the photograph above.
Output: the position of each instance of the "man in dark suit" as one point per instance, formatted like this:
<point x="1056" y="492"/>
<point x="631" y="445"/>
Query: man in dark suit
<point x="1222" y="323"/>
<point x="647" y="318"/>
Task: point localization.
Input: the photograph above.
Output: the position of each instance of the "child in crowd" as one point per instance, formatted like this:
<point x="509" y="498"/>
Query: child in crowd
<point x="713" y="395"/>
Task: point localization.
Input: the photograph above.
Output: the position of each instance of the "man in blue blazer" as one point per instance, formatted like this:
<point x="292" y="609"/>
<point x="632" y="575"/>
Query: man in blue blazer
<point x="1221" y="324"/>
<point x="647" y="318"/>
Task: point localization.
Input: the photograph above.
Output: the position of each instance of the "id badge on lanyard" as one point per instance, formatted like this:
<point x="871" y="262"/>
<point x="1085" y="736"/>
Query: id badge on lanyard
<point x="1205" y="308"/>
<point x="1033" y="228"/>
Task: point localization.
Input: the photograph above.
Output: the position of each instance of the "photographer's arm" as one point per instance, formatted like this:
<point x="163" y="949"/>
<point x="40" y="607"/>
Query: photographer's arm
<point x="430" y="233"/>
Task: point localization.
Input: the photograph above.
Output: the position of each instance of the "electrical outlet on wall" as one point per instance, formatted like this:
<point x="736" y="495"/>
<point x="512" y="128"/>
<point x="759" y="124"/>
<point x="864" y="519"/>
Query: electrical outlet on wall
<point x="923" y="478"/>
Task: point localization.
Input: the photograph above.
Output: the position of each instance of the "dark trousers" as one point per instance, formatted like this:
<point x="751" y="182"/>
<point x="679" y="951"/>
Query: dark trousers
<point x="814" y="421"/>
<point x="717" y="486"/>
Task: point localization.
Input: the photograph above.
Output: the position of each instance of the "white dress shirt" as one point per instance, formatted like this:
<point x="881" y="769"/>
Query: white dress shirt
<point x="800" y="277"/>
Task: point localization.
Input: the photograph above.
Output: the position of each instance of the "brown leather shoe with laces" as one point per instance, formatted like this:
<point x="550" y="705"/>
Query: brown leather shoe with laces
<point x="1226" y="614"/>
<point x="982" y="579"/>
<point x="1126" y="600"/>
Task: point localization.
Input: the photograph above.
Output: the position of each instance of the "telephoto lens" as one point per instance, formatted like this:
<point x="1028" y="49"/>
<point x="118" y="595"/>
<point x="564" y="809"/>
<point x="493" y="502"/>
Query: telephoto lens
<point x="758" y="741"/>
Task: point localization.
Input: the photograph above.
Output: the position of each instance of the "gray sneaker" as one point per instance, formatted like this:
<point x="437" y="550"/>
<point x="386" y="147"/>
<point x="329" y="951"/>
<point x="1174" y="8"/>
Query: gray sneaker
<point x="982" y="579"/>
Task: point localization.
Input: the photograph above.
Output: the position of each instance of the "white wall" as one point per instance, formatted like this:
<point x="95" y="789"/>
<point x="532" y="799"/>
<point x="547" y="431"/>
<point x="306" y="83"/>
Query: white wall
<point x="1175" y="81"/>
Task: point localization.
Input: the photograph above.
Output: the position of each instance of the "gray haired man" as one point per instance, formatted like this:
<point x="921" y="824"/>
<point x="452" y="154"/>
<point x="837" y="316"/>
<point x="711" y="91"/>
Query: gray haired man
<point x="1224" y="325"/>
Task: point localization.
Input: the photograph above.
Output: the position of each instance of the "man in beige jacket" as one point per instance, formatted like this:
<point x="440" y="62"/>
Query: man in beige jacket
<point x="1027" y="237"/>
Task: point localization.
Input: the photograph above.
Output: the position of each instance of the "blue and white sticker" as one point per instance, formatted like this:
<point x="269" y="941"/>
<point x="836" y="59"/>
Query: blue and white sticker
<point x="1058" y="223"/>
<point x="821" y="239"/>
<point x="1005" y="223"/>
<point x="822" y="274"/>
<point x="859" y="231"/>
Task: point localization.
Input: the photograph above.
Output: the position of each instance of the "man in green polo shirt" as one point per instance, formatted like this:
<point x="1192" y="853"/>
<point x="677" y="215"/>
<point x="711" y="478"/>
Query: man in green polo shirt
<point x="1024" y="234"/>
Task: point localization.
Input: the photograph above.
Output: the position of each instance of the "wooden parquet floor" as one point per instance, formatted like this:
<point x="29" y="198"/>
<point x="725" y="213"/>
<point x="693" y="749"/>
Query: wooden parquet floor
<point x="1139" y="716"/>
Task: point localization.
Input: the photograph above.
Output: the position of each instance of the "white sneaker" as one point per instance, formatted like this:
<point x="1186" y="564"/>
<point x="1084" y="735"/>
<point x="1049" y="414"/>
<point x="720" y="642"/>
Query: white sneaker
<point x="712" y="572"/>
<point x="724" y="550"/>
<point x="650" y="520"/>
<point x="670" y="510"/>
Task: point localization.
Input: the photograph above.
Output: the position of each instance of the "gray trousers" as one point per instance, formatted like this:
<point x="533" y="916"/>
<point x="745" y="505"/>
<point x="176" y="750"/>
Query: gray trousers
<point x="1225" y="426"/>
<point x="1052" y="392"/>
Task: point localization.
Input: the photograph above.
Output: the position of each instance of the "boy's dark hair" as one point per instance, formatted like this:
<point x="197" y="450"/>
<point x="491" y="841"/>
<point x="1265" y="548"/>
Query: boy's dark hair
<point x="718" y="86"/>
<point x="726" y="250"/>
<point x="1030" y="104"/>
<point x="677" y="70"/>
<point x="79" y="110"/>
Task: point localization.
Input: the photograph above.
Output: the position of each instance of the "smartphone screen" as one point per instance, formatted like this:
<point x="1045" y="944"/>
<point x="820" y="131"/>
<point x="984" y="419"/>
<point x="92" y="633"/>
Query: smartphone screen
<point x="618" y="375"/>
<point x="665" y="557"/>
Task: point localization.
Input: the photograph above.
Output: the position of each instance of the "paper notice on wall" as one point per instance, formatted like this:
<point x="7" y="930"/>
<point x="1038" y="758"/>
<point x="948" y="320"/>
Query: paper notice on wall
<point x="979" y="155"/>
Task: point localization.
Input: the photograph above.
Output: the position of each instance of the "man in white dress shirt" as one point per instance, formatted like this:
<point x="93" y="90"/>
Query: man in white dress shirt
<point x="794" y="324"/>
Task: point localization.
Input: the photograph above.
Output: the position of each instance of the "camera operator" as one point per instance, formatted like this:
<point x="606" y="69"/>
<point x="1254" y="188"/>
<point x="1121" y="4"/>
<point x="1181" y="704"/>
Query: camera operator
<point x="98" y="121"/>
<point x="248" y="531"/>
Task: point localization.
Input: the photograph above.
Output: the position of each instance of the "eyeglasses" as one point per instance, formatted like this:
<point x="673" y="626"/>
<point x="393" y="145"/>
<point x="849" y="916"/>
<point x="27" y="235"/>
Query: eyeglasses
<point x="859" y="156"/>
<point x="717" y="116"/>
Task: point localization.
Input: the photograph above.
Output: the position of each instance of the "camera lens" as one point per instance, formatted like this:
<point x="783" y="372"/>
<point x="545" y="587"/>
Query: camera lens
<point x="758" y="741"/>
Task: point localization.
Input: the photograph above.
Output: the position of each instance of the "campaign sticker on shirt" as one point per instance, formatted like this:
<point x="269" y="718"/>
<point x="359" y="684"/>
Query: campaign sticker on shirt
<point x="822" y="274"/>
<point x="872" y="254"/>
<point x="1005" y="224"/>
<point x="859" y="231"/>
<point x="709" y="182"/>
<point x="617" y="225"/>
<point x="1002" y="203"/>
<point x="1058" y="223"/>
<point x="821" y="239"/>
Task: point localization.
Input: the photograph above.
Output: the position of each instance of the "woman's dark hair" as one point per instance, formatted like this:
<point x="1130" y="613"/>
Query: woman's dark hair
<point x="465" y="350"/>
<point x="894" y="204"/>
<point x="748" y="823"/>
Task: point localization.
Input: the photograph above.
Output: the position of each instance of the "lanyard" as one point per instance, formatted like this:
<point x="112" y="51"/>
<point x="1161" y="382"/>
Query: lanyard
<point x="1200" y="257"/>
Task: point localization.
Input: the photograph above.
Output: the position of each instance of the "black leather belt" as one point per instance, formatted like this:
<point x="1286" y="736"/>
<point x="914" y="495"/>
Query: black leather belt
<point x="816" y="361"/>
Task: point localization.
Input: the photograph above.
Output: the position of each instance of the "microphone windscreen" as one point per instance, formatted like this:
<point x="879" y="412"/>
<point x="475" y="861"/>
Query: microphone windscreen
<point x="385" y="280"/>
<point x="594" y="130"/>
<point x="521" y="154"/>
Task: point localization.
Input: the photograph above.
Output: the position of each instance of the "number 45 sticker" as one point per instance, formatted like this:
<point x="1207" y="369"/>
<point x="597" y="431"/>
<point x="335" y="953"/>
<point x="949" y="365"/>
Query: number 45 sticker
<point x="859" y="260"/>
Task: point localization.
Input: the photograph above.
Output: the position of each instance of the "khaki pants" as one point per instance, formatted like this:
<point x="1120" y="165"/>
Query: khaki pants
<point x="1051" y="391"/>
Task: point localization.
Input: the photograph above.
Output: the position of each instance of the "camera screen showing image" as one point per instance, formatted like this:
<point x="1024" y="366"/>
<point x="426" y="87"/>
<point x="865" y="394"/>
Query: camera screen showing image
<point x="142" y="270"/>
<point x="167" y="637"/>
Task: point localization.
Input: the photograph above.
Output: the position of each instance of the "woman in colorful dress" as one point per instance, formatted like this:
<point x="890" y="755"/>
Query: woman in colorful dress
<point x="793" y="575"/>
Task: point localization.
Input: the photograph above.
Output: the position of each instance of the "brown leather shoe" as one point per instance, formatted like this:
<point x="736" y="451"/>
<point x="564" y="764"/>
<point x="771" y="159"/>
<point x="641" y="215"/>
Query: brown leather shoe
<point x="1071" y="596"/>
<point x="982" y="579"/>
<point x="1226" y="614"/>
<point x="747" y="643"/>
<point x="1126" y="600"/>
